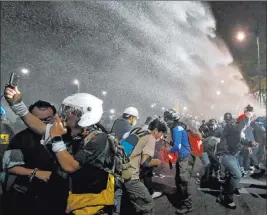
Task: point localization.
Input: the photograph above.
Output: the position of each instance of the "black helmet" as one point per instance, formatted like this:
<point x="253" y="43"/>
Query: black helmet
<point x="227" y="117"/>
<point x="213" y="121"/>
<point x="171" y="115"/>
<point x="248" y="109"/>
<point x="212" y="124"/>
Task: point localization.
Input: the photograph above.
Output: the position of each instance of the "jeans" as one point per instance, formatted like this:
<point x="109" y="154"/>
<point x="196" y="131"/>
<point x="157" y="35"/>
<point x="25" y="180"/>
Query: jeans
<point x="213" y="165"/>
<point x="205" y="161"/>
<point x="140" y="197"/>
<point x="246" y="159"/>
<point x="231" y="164"/>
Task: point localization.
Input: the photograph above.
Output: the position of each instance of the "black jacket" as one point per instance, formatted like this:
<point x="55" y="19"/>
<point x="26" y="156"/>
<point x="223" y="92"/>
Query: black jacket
<point x="258" y="133"/>
<point x="231" y="141"/>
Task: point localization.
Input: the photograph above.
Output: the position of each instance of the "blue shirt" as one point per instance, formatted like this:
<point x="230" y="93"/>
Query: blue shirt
<point x="181" y="142"/>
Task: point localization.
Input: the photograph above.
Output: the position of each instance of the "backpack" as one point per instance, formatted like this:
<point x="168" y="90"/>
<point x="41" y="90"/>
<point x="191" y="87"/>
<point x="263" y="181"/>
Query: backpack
<point x="194" y="139"/>
<point x="195" y="142"/>
<point x="113" y="158"/>
<point x="131" y="141"/>
<point x="210" y="145"/>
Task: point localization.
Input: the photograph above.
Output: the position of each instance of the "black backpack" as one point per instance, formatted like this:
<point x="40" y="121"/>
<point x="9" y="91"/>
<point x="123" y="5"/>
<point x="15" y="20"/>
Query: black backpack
<point x="113" y="158"/>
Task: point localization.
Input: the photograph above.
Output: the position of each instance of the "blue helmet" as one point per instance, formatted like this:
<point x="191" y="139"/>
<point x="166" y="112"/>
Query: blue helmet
<point x="3" y="113"/>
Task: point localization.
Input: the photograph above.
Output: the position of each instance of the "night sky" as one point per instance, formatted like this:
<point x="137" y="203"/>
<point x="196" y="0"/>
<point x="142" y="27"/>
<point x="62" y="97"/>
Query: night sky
<point x="232" y="16"/>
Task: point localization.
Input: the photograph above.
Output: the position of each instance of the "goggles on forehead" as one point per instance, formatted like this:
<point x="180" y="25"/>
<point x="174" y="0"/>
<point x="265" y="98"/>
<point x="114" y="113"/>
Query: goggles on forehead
<point x="67" y="110"/>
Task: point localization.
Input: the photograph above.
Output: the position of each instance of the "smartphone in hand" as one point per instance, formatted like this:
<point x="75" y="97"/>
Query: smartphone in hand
<point x="13" y="80"/>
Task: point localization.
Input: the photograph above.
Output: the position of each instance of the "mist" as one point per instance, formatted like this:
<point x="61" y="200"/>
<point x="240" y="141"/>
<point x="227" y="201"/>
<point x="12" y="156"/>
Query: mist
<point x="139" y="52"/>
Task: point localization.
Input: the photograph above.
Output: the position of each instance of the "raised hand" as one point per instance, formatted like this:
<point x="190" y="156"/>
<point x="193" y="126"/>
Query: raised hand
<point x="57" y="128"/>
<point x="12" y="95"/>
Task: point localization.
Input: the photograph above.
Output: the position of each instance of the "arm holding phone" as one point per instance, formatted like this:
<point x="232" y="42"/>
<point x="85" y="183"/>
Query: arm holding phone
<point x="14" y="99"/>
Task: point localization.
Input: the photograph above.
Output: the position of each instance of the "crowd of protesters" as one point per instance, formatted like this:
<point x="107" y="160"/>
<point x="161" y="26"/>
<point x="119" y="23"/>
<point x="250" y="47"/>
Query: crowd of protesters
<point x="66" y="162"/>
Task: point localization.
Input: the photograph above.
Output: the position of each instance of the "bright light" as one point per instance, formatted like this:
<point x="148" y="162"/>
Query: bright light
<point x="212" y="106"/>
<point x="185" y="108"/>
<point x="218" y="93"/>
<point x="76" y="82"/>
<point x="222" y="81"/>
<point x="163" y="108"/>
<point x="240" y="36"/>
<point x="24" y="71"/>
<point x="112" y="111"/>
<point x="104" y="93"/>
<point x="153" y="105"/>
<point x="202" y="114"/>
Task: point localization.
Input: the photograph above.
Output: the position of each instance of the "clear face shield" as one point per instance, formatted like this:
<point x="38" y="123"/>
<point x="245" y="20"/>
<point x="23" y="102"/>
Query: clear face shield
<point x="67" y="112"/>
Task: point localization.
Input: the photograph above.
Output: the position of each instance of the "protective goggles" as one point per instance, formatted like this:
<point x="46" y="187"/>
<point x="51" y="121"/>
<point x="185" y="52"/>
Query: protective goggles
<point x="66" y="110"/>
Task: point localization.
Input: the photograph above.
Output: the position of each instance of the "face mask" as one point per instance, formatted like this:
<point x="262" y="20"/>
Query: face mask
<point x="134" y="122"/>
<point x="158" y="139"/>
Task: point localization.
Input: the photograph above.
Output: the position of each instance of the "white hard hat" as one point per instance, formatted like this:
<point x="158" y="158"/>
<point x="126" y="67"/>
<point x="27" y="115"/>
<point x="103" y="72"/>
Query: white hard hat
<point x="131" y="111"/>
<point x="90" y="108"/>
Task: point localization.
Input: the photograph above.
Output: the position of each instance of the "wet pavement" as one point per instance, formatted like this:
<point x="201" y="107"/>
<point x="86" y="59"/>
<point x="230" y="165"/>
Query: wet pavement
<point x="252" y="199"/>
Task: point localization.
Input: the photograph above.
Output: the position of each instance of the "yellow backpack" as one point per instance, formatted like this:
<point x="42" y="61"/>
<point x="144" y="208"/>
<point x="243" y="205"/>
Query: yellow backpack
<point x="90" y="204"/>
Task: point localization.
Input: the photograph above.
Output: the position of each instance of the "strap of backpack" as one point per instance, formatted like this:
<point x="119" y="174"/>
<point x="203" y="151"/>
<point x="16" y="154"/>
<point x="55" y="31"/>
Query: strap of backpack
<point x="143" y="133"/>
<point x="135" y="131"/>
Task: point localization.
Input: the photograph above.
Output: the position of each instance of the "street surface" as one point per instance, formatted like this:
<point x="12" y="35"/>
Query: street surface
<point x="252" y="199"/>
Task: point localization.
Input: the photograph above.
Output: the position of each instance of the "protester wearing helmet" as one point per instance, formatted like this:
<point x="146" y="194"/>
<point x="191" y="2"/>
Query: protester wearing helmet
<point x="214" y="129"/>
<point x="184" y="164"/>
<point x="125" y="124"/>
<point x="76" y="146"/>
<point x="211" y="139"/>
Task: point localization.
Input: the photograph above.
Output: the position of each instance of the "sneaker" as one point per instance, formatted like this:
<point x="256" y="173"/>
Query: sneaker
<point x="236" y="193"/>
<point x="251" y="168"/>
<point x="156" y="195"/>
<point x="184" y="210"/>
<point x="162" y="176"/>
<point x="228" y="204"/>
<point x="246" y="174"/>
